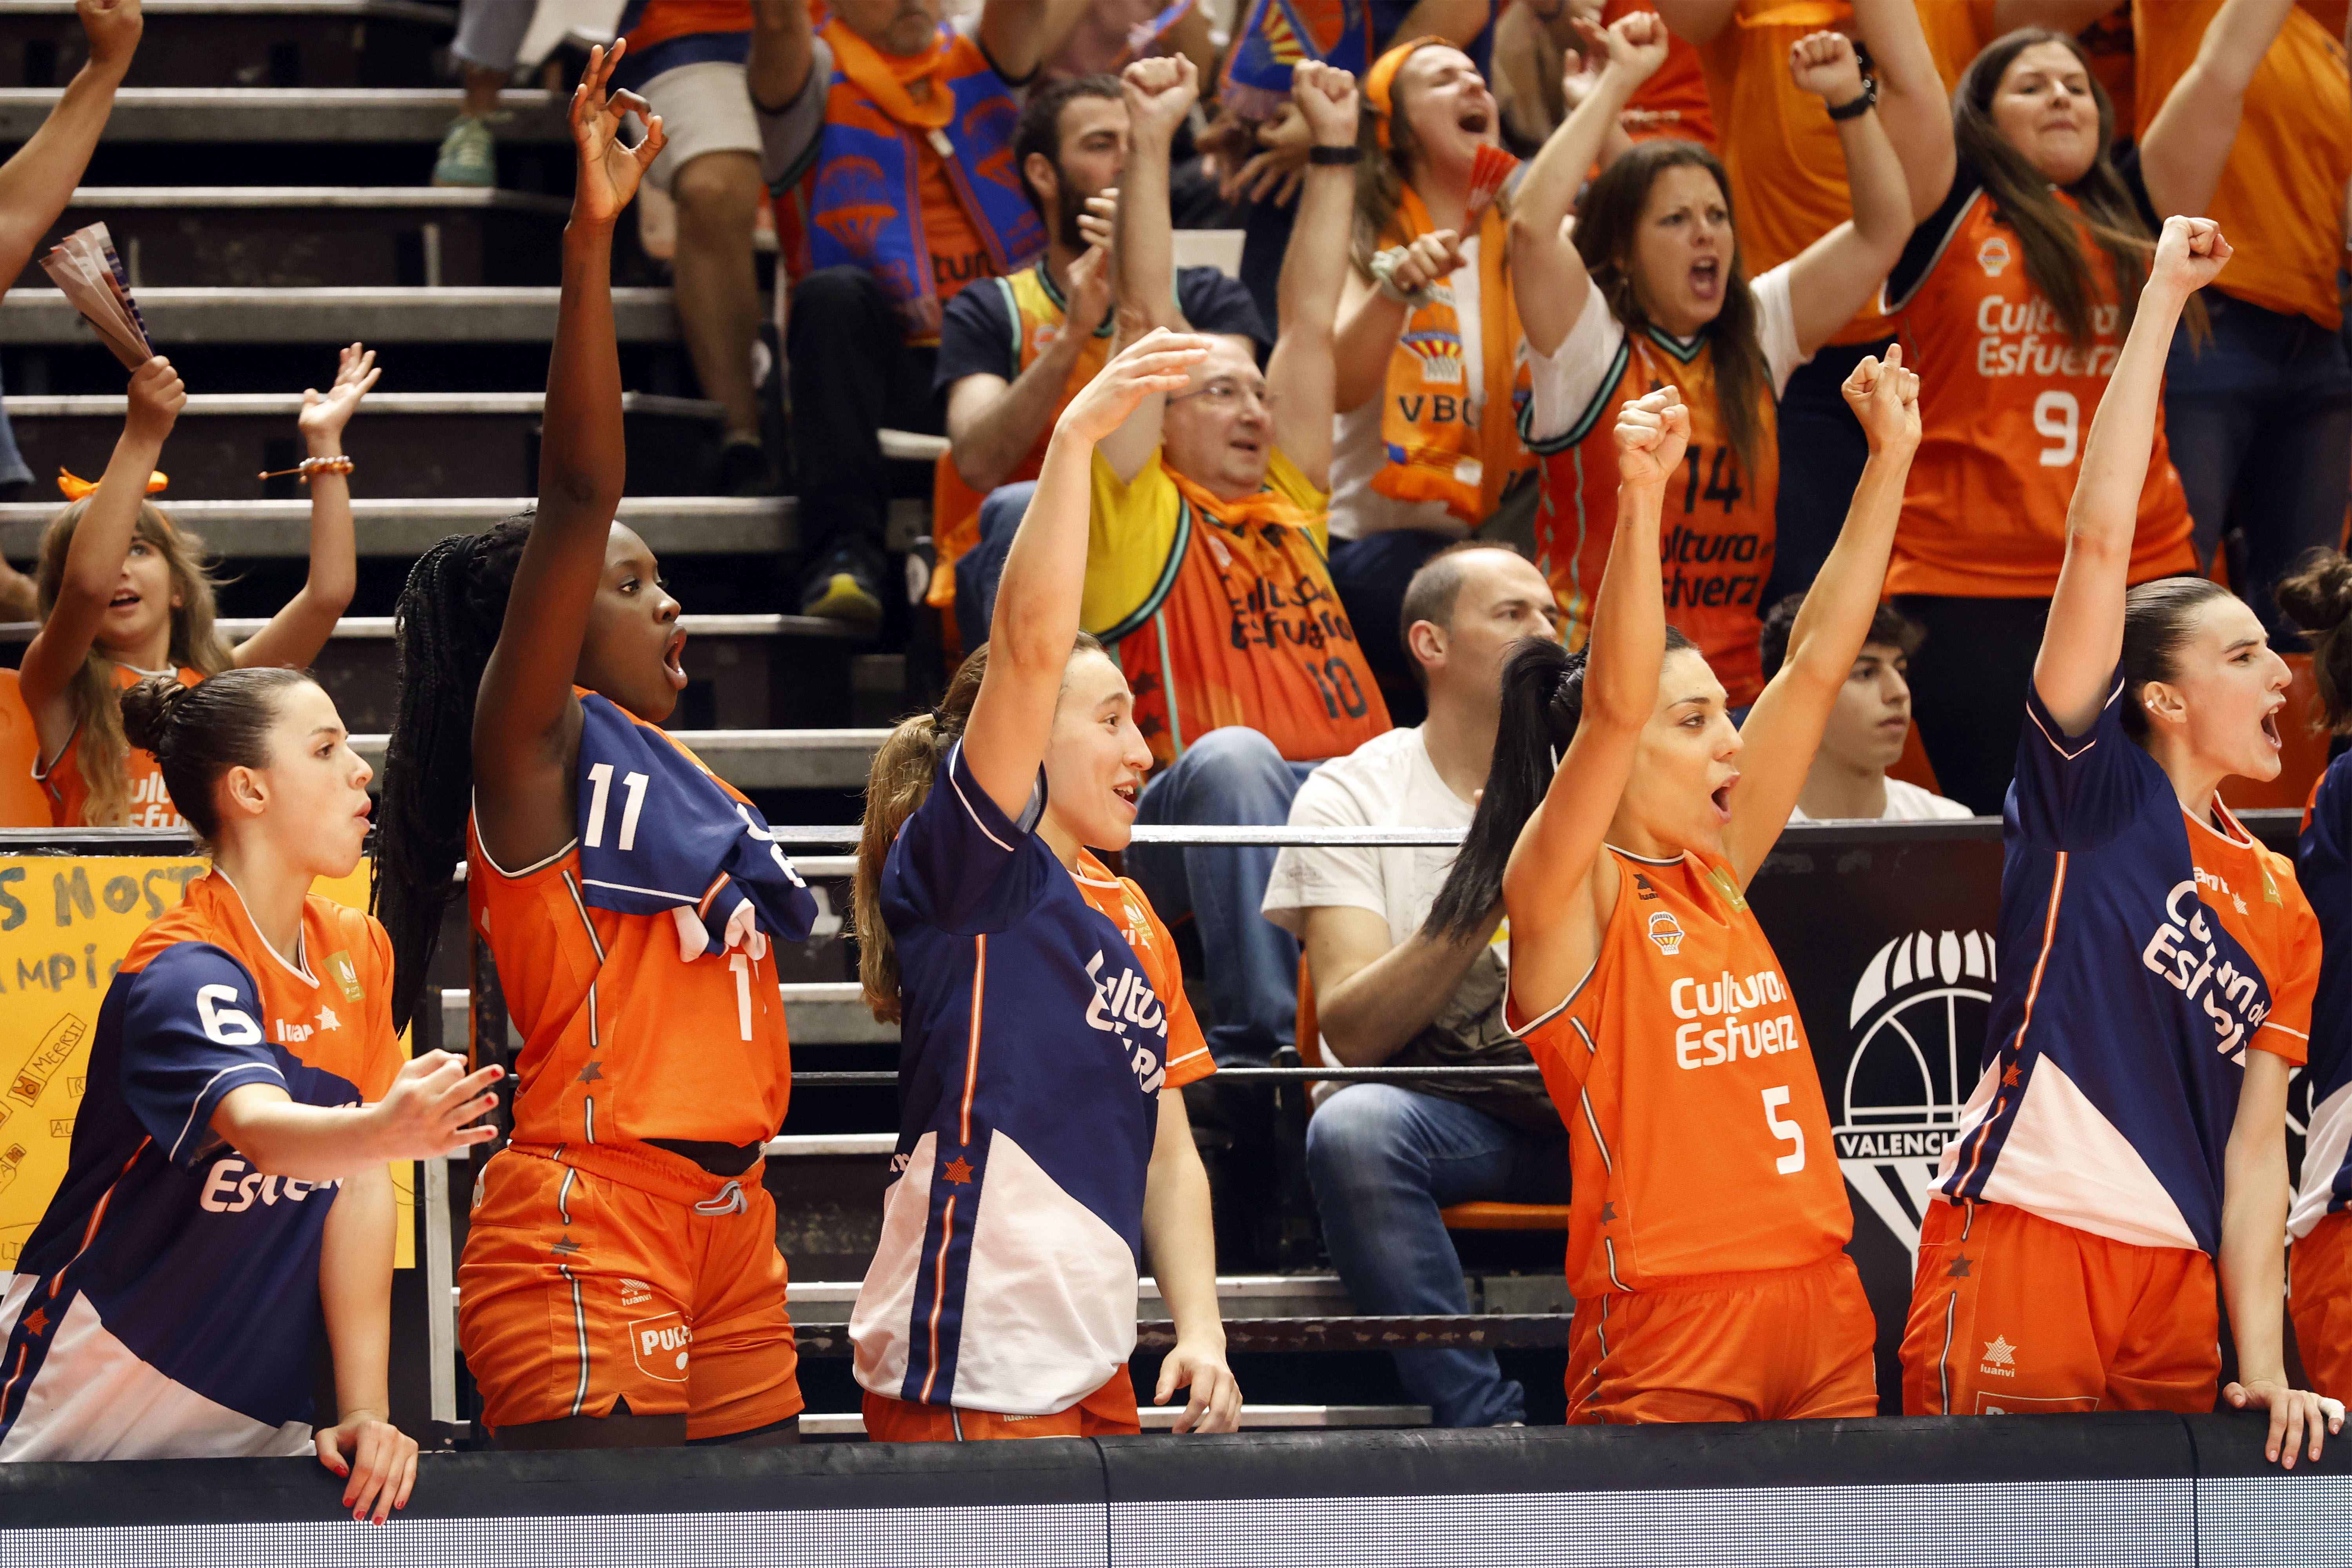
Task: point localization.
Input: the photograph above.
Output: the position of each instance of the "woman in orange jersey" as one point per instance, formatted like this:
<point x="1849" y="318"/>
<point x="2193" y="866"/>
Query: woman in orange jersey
<point x="1429" y="374"/>
<point x="620" y="1284"/>
<point x="2124" y="1147"/>
<point x="1645" y="289"/>
<point x="2014" y="295"/>
<point x="1621" y="822"/>
<point x="1043" y="1034"/>
<point x="125" y="594"/>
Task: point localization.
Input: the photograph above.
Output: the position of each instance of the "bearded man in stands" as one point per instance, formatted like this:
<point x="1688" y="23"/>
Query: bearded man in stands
<point x="887" y="144"/>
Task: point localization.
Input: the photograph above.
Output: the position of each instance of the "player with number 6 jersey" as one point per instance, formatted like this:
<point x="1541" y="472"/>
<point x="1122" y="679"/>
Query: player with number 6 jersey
<point x="1645" y="290"/>
<point x="620" y="1284"/>
<point x="1622" y="819"/>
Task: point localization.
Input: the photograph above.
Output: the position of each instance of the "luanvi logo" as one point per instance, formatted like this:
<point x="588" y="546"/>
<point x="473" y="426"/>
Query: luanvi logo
<point x="1918" y="1021"/>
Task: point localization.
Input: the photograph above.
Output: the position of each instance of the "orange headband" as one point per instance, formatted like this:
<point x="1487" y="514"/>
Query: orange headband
<point x="1381" y="81"/>
<point x="75" y="488"/>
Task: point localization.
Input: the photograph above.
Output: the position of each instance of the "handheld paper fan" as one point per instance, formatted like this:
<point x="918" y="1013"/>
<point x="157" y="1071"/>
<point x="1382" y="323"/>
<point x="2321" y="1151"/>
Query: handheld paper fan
<point x="87" y="271"/>
<point x="1490" y="171"/>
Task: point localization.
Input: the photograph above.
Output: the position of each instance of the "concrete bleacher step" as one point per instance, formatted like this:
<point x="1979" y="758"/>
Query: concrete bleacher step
<point x="407" y="444"/>
<point x="376" y="315"/>
<point x="756" y="759"/>
<point x="244" y="43"/>
<point x="311" y="237"/>
<point x="292" y="115"/>
<point x="401" y="529"/>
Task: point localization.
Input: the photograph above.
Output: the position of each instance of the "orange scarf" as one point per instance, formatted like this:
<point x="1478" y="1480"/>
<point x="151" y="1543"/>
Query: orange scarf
<point x="1424" y="411"/>
<point x="885" y="78"/>
<point x="1267" y="506"/>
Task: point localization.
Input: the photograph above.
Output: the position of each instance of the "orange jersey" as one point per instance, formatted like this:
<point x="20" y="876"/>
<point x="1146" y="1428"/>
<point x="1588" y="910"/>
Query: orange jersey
<point x="1674" y="102"/>
<point x="2281" y="199"/>
<point x="1780" y="147"/>
<point x="1681" y="1067"/>
<point x="658" y="1048"/>
<point x="148" y="802"/>
<point x="1717" y="549"/>
<point x="2108" y="42"/>
<point x="2006" y="402"/>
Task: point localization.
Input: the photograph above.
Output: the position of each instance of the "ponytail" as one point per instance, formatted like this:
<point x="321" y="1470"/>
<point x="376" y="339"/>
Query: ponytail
<point x="444" y="627"/>
<point x="1542" y="702"/>
<point x="896" y="787"/>
<point x="2318" y="599"/>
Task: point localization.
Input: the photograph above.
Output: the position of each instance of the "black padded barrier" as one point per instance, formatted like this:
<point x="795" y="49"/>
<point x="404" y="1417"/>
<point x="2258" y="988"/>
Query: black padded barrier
<point x="2113" y="1491"/>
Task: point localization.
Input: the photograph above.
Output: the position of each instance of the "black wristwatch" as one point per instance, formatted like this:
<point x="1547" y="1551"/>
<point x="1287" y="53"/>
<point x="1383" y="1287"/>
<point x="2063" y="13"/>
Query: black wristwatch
<point x="1855" y="107"/>
<point x="1327" y="156"/>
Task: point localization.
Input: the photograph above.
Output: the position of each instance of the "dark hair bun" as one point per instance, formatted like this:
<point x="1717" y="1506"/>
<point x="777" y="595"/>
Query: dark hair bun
<point x="2318" y="596"/>
<point x="147" y="710"/>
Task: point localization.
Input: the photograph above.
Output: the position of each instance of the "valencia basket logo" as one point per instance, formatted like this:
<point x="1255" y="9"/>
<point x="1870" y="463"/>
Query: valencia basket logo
<point x="1917" y="1027"/>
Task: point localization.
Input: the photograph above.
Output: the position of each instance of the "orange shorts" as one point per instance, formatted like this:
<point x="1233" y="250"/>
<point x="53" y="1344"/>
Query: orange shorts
<point x="585" y="1282"/>
<point x="1108" y="1412"/>
<point x="2013" y="1314"/>
<point x="2319" y="1300"/>
<point x="1775" y="1345"/>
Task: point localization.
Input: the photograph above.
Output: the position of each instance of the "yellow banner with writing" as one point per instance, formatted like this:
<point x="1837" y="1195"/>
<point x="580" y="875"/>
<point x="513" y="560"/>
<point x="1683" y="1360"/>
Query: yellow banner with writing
<point x="66" y="923"/>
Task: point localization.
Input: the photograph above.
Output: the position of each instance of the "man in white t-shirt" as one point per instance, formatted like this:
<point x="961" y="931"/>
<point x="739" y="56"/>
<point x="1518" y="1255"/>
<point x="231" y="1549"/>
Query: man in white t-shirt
<point x="1866" y="729"/>
<point x="1384" y="1159"/>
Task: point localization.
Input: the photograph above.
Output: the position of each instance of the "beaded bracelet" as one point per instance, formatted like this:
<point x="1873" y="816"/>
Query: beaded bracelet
<point x="1385" y="266"/>
<point x="308" y="465"/>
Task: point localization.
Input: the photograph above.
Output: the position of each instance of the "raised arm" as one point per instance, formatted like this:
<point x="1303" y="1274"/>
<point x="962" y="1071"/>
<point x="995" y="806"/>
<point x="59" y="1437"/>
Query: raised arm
<point x="1913" y="106"/>
<point x="1784" y="729"/>
<point x="993" y="424"/>
<point x="1014" y="34"/>
<point x="2084" y="638"/>
<point x="1550" y="888"/>
<point x="2184" y="149"/>
<point x="526" y="723"/>
<point x="1037" y="600"/>
<point x="783" y="48"/>
<point x="1550" y="272"/>
<point x="1700" y="21"/>
<point x="1299" y="374"/>
<point x="39" y="179"/>
<point x="1838" y="273"/>
<point x="296" y="634"/>
<point x="94" y="560"/>
<point x="1159" y="92"/>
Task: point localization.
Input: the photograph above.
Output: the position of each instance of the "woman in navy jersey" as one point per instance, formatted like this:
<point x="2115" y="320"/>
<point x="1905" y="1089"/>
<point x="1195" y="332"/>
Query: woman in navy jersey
<point x="2125" y="1141"/>
<point x="2318" y="599"/>
<point x="228" y="1180"/>
<point x="1041" y="1016"/>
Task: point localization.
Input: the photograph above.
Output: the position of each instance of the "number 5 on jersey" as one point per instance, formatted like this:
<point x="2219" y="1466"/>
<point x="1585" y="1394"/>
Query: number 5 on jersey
<point x="1785" y="1131"/>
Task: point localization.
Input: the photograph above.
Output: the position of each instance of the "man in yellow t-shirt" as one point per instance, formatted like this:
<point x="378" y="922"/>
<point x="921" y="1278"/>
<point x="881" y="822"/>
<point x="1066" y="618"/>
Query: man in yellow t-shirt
<point x="1205" y="570"/>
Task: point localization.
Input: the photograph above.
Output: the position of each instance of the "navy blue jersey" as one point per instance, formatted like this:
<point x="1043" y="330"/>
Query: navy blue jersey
<point x="2142" y="952"/>
<point x="1044" y="1012"/>
<point x="163" y="1306"/>
<point x="2323" y="864"/>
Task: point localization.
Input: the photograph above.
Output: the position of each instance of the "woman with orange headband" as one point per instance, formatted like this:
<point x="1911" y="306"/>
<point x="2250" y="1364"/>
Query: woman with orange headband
<point x="124" y="593"/>
<point x="1429" y="371"/>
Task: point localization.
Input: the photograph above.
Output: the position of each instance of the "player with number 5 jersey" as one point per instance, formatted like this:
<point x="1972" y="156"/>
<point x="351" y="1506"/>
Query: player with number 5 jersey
<point x="620" y="1284"/>
<point x="1623" y="817"/>
<point x="1649" y="290"/>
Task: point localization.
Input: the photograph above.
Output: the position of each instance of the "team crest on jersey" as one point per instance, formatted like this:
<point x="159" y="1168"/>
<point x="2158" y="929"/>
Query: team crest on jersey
<point x="1994" y="256"/>
<point x="347" y="975"/>
<point x="1666" y="932"/>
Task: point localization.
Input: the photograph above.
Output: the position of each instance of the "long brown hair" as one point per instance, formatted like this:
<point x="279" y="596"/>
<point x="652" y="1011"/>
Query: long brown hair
<point x="196" y="643"/>
<point x="2049" y="233"/>
<point x="899" y="784"/>
<point x="1606" y="224"/>
<point x="1381" y="177"/>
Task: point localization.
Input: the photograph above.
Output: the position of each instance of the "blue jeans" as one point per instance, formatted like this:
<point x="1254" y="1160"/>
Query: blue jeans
<point x="1823" y="450"/>
<point x="1228" y="778"/>
<point x="13" y="467"/>
<point x="978" y="569"/>
<point x="2261" y="428"/>
<point x="1384" y="1159"/>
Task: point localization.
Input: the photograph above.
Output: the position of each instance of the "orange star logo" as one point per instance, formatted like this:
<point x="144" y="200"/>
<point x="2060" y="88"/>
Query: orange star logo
<point x="2009" y="1078"/>
<point x="37" y="1321"/>
<point x="957" y="1172"/>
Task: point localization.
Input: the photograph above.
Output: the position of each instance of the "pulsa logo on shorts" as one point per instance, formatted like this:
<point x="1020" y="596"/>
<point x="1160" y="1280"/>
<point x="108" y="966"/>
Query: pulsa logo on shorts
<point x="1666" y="934"/>
<point x="660" y="1345"/>
<point x="1994" y="256"/>
<point x="1917" y="1019"/>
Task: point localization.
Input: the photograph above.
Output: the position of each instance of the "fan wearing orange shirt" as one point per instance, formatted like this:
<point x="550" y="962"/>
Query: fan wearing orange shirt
<point x="1622" y="819"/>
<point x="2262" y="415"/>
<point x="2016" y="290"/>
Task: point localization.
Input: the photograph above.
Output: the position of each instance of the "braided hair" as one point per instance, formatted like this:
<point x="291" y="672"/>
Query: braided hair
<point x="444" y="628"/>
